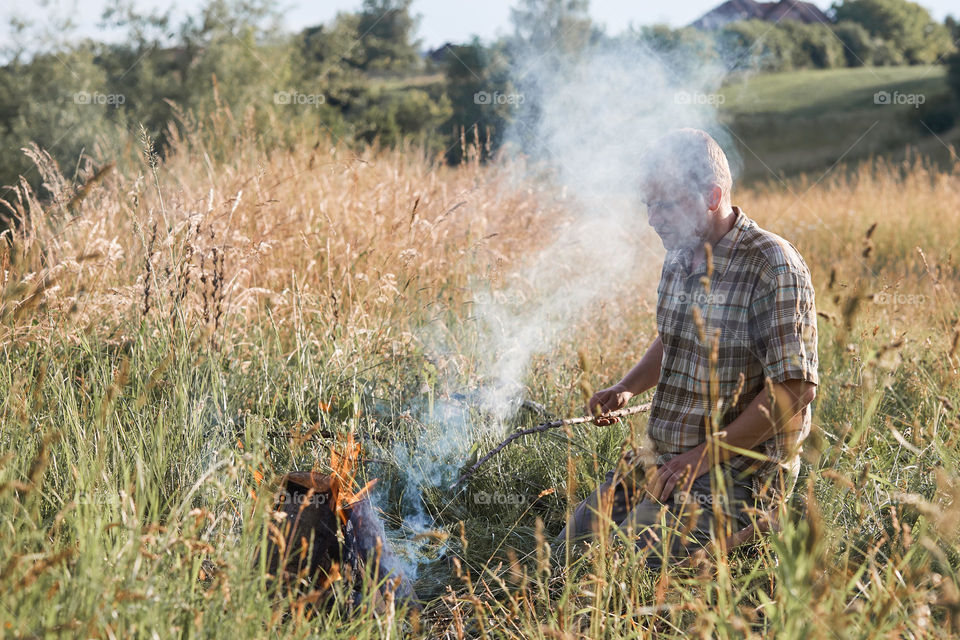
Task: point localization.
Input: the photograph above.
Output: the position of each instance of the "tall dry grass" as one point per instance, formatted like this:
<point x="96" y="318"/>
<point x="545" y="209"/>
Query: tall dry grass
<point x="177" y="334"/>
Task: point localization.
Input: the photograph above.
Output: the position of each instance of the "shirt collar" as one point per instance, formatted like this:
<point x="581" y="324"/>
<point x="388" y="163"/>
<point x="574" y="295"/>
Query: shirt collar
<point x="722" y="252"/>
<point x="727" y="245"/>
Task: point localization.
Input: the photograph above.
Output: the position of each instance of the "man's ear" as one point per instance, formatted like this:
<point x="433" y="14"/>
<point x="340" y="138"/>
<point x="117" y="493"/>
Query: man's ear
<point x="714" y="196"/>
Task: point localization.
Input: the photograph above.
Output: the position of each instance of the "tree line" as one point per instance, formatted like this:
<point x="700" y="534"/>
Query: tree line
<point x="364" y="78"/>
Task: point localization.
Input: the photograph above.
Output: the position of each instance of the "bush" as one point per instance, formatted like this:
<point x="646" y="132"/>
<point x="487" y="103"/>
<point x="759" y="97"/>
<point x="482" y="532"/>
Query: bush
<point x="937" y="114"/>
<point x="394" y="117"/>
<point x="755" y="45"/>
<point x="61" y="101"/>
<point x="683" y="49"/>
<point x="858" y="46"/>
<point x="815" y="45"/>
<point x="906" y="26"/>
<point x="887" y="54"/>
<point x="469" y="70"/>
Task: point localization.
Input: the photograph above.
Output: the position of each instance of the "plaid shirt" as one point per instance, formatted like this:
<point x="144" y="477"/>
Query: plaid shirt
<point x="759" y="300"/>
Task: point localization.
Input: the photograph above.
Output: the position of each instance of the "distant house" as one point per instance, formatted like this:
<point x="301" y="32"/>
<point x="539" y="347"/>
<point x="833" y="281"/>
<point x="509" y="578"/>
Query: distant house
<point x="440" y="54"/>
<point x="733" y="10"/>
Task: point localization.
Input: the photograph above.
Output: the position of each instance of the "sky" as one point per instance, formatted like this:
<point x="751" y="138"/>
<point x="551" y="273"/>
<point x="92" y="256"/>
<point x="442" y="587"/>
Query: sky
<point x="441" y="20"/>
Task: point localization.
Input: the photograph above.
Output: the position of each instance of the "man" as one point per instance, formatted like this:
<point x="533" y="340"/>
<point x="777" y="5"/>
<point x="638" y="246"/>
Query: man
<point x="736" y="327"/>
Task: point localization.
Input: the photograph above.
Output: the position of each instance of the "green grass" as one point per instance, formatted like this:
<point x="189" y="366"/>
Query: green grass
<point x="805" y="121"/>
<point x="810" y="93"/>
<point x="147" y="476"/>
<point x="132" y="441"/>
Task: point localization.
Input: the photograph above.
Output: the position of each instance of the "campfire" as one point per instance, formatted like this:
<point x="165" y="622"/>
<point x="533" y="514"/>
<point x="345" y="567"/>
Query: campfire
<point x="324" y="531"/>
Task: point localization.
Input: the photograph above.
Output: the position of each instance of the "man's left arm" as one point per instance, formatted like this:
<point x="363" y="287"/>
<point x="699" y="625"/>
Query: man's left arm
<point x="785" y="313"/>
<point x="758" y="423"/>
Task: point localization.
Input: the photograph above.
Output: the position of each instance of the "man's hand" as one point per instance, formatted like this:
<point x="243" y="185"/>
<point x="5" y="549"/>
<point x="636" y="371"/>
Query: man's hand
<point x="687" y="466"/>
<point x="606" y="400"/>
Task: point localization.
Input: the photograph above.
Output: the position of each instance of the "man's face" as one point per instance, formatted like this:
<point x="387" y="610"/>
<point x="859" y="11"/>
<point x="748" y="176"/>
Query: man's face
<point x="679" y="217"/>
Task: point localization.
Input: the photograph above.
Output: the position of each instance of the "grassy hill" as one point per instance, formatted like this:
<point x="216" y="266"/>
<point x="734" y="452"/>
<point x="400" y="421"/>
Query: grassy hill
<point x="805" y="121"/>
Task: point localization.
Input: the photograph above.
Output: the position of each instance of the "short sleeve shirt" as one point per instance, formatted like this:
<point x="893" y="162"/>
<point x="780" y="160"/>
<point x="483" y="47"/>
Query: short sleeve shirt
<point x="750" y="310"/>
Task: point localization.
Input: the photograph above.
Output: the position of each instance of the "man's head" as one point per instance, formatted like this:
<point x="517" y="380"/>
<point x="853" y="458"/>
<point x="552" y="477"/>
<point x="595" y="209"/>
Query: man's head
<point x="685" y="183"/>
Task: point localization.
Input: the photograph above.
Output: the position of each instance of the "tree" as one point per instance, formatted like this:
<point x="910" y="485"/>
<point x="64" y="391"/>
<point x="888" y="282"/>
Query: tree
<point x="475" y="76"/>
<point x="545" y="26"/>
<point x="814" y="45"/>
<point x="684" y="49"/>
<point x="549" y="37"/>
<point x="906" y="25"/>
<point x="858" y="46"/>
<point x="387" y="36"/>
<point x="378" y="38"/>
<point x="755" y="44"/>
<point x="349" y="58"/>
<point x="953" y="62"/>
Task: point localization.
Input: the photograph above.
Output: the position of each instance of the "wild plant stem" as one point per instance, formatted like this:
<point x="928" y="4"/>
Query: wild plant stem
<point x="546" y="426"/>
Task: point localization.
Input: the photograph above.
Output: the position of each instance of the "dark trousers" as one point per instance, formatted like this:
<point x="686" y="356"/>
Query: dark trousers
<point x="667" y="531"/>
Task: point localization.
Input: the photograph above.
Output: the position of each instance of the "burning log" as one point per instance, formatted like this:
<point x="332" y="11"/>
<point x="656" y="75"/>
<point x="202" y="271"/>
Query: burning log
<point x="324" y="525"/>
<point x="366" y="544"/>
<point x="305" y="544"/>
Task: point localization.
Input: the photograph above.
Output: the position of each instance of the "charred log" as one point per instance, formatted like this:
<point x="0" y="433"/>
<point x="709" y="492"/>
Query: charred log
<point x="315" y="539"/>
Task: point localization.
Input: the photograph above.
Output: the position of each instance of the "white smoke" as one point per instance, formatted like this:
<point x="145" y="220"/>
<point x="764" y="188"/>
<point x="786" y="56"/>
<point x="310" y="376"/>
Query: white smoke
<point x="589" y="119"/>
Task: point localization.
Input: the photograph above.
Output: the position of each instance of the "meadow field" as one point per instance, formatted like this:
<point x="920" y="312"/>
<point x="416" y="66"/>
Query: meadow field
<point x="807" y="120"/>
<point x="177" y="334"/>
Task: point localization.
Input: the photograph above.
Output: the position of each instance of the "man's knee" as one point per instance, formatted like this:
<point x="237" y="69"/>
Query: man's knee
<point x="603" y="509"/>
<point x="587" y="517"/>
<point x="666" y="535"/>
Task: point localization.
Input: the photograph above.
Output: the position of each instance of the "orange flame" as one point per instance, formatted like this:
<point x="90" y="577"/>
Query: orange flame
<point x="340" y="481"/>
<point x="342" y="465"/>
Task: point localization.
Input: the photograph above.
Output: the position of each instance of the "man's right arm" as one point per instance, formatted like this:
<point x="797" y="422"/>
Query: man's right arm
<point x="644" y="375"/>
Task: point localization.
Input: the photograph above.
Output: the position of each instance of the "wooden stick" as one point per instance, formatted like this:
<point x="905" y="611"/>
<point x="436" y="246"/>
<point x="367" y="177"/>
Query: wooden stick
<point x="556" y="424"/>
